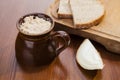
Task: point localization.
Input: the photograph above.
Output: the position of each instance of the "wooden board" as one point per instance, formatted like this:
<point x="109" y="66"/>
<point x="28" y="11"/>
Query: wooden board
<point x="107" y="32"/>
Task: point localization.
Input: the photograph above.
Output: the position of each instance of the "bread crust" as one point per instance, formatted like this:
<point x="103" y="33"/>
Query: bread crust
<point x="64" y="16"/>
<point x="90" y="24"/>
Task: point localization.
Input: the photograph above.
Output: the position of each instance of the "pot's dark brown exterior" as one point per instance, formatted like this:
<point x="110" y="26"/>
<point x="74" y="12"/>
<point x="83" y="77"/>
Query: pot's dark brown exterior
<point x="36" y="50"/>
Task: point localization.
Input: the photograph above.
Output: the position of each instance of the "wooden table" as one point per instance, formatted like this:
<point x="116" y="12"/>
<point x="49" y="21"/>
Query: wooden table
<point x="64" y="67"/>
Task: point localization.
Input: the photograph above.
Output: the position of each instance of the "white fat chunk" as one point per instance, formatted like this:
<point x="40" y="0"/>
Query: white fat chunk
<point x="88" y="57"/>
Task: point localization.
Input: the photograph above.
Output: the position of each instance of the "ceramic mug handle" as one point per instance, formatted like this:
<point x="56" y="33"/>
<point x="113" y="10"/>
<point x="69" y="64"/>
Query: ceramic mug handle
<point x="66" y="40"/>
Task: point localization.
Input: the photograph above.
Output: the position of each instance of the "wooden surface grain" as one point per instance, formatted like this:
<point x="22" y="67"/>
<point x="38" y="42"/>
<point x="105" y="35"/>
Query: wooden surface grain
<point x="64" y="67"/>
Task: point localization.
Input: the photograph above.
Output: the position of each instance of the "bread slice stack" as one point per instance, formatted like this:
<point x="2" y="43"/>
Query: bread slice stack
<point x="86" y="13"/>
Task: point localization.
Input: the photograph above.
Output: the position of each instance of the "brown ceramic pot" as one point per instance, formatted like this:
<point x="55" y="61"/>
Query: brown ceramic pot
<point x="42" y="48"/>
